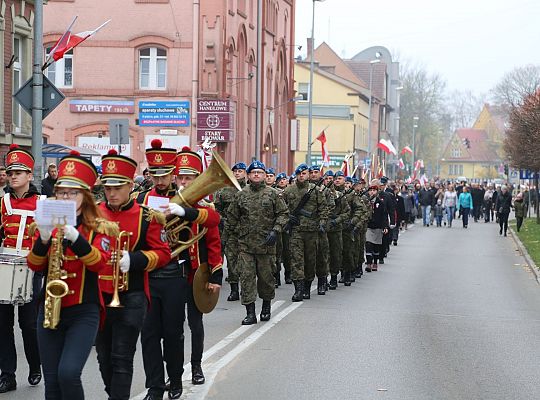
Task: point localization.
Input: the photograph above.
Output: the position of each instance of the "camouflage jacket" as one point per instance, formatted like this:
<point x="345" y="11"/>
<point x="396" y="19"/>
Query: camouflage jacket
<point x="315" y="210"/>
<point x="341" y="210"/>
<point x="222" y="200"/>
<point x="357" y="211"/>
<point x="256" y="210"/>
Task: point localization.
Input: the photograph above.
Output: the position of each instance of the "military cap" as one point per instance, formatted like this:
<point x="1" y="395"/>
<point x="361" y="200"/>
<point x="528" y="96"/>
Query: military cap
<point x="239" y="165"/>
<point x="117" y="169"/>
<point x="270" y="171"/>
<point x="255" y="165"/>
<point x="19" y="159"/>
<point x="348" y="179"/>
<point x="161" y="161"/>
<point x="300" y="168"/>
<point x="339" y="173"/>
<point x="75" y="171"/>
<point x="355" y="181"/>
<point x="314" y="168"/>
<point x="384" y="179"/>
<point x="374" y="184"/>
<point x="281" y="175"/>
<point x="329" y="173"/>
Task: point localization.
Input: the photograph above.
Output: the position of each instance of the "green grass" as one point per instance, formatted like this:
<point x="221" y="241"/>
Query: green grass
<point x="529" y="234"/>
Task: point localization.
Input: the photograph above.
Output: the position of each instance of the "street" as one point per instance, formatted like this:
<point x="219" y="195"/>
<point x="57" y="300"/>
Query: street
<point x="452" y="314"/>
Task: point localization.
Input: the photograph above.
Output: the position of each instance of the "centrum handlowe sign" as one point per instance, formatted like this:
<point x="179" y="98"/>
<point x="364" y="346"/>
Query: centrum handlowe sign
<point x="215" y="120"/>
<point x="163" y="113"/>
<point x="102" y="106"/>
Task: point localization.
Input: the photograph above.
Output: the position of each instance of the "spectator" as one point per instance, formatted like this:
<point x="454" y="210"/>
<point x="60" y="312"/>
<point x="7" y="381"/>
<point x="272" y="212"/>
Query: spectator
<point x="477" y="194"/>
<point x="47" y="184"/>
<point x="439" y="209"/>
<point x="503" y="206"/>
<point x="450" y="203"/>
<point x="3" y="181"/>
<point x="519" y="209"/>
<point x="488" y="204"/>
<point x="426" y="199"/>
<point x="464" y="205"/>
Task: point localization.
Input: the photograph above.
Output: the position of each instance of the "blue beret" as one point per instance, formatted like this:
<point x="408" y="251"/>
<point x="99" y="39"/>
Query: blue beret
<point x="348" y="179"/>
<point x="384" y="179"/>
<point x="355" y="181"/>
<point x="255" y="165"/>
<point x="300" y="168"/>
<point x="281" y="175"/>
<point x="339" y="173"/>
<point x="239" y="165"/>
<point x="270" y="171"/>
<point x="314" y="168"/>
<point x="329" y="173"/>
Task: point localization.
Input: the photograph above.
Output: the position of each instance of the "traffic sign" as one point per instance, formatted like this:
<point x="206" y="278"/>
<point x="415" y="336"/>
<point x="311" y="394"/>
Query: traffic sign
<point x="527" y="174"/>
<point x="119" y="131"/>
<point x="52" y="97"/>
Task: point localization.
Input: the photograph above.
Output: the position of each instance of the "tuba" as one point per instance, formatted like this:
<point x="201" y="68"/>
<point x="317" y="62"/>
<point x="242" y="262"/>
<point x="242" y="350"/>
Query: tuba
<point x="216" y="176"/>
<point x="120" y="279"/>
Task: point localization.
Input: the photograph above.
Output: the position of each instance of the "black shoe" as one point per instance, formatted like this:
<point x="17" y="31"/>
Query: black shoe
<point x="500" y="231"/>
<point x="197" y="376"/>
<point x="251" y="318"/>
<point x="358" y="273"/>
<point x="234" y="296"/>
<point x="321" y="286"/>
<point x="34" y="378"/>
<point x="176" y="391"/>
<point x="298" y="291"/>
<point x="306" y="295"/>
<point x="265" y="311"/>
<point x="381" y="261"/>
<point x="347" y="279"/>
<point x="333" y="282"/>
<point x="7" y="384"/>
<point x="278" y="279"/>
<point x="504" y="234"/>
<point x="368" y="267"/>
<point x="288" y="279"/>
<point x="395" y="241"/>
<point x="153" y="396"/>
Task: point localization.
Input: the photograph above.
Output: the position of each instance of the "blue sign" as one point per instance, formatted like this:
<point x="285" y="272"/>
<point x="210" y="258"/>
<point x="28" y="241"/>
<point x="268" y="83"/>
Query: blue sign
<point x="526" y="174"/>
<point x="164" y="113"/>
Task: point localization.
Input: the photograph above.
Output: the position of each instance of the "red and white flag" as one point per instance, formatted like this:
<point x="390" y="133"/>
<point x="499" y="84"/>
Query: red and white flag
<point x="345" y="167"/>
<point x="387" y="146"/>
<point x="401" y="164"/>
<point x="325" y="155"/>
<point x="69" y="41"/>
<point x="406" y="149"/>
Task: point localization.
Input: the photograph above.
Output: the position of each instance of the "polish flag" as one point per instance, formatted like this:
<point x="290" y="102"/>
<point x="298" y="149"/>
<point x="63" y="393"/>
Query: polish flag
<point x="387" y="146"/>
<point x="406" y="149"/>
<point x="345" y="167"/>
<point x="401" y="164"/>
<point x="325" y="155"/>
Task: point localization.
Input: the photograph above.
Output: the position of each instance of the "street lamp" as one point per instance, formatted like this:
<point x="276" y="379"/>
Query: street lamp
<point x="369" y="104"/>
<point x="311" y="67"/>
<point x="415" y="125"/>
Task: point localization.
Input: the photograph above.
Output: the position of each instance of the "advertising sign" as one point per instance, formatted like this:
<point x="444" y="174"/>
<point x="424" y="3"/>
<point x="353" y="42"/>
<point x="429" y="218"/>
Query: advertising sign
<point x="170" y="142"/>
<point x="102" y="106"/>
<point x="164" y="113"/>
<point x="215" y="120"/>
<point x="102" y="146"/>
<point x="336" y="160"/>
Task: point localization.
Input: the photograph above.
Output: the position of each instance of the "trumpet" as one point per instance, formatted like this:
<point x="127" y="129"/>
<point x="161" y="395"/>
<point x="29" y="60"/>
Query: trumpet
<point x="120" y="279"/>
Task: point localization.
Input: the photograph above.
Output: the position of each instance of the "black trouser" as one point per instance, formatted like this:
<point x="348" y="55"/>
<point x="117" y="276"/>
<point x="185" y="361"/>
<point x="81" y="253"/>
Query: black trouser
<point x="195" y="322"/>
<point x="503" y="221"/>
<point x="372" y="252"/>
<point x="477" y="210"/>
<point x="27" y="314"/>
<point x="116" y="342"/>
<point x="165" y="320"/>
<point x="519" y="222"/>
<point x="385" y="247"/>
<point x="64" y="350"/>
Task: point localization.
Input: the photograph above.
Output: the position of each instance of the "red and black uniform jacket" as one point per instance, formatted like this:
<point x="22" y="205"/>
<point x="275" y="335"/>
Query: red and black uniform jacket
<point x="148" y="247"/>
<point x="84" y="260"/>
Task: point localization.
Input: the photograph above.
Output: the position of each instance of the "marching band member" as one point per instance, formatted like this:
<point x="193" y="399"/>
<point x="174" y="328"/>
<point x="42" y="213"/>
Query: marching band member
<point x="17" y="207"/>
<point x="147" y="249"/>
<point x="65" y="339"/>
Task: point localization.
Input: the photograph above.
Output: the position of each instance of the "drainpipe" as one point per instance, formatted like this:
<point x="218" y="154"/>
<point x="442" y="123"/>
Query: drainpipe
<point x="195" y="73"/>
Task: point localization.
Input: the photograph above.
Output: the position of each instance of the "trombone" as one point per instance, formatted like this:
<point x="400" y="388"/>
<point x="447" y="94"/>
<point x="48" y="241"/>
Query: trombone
<point x="120" y="279"/>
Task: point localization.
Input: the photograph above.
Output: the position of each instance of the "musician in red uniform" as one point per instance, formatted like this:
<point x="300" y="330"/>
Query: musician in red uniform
<point x="148" y="249"/>
<point x="17" y="212"/>
<point x="65" y="348"/>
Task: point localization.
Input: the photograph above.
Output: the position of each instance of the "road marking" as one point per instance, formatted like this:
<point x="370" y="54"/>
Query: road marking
<point x="217" y="347"/>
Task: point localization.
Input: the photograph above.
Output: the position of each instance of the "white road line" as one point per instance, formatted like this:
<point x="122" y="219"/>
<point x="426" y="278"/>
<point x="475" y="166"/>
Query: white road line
<point x="218" y="346"/>
<point x="200" y="392"/>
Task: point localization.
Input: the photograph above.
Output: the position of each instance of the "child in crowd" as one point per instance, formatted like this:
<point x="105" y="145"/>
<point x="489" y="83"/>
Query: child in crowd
<point x="439" y="209"/>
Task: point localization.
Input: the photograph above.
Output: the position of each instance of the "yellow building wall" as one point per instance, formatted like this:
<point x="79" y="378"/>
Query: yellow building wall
<point x="470" y="170"/>
<point x="340" y="133"/>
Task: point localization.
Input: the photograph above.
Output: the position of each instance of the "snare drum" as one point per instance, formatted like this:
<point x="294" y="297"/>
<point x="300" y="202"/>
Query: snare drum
<point x="15" y="279"/>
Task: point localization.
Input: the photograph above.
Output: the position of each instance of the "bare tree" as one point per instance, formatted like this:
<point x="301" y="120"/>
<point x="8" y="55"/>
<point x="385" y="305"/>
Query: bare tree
<point x="516" y="85"/>
<point x="463" y="108"/>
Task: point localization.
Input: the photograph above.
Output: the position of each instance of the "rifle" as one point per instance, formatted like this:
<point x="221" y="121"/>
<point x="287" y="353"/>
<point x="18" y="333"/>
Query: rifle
<point x="298" y="210"/>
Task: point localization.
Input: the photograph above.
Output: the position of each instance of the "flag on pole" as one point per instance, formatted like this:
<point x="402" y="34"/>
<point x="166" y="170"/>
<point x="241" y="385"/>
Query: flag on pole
<point x="387" y="146"/>
<point x="60" y="44"/>
<point x="345" y="168"/>
<point x="325" y="155"/>
<point x="406" y="149"/>
<point x="401" y="164"/>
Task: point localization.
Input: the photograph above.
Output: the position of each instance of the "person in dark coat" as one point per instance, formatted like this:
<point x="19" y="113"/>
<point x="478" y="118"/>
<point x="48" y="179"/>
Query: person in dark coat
<point x="503" y="206"/>
<point x="400" y="214"/>
<point x="47" y="184"/>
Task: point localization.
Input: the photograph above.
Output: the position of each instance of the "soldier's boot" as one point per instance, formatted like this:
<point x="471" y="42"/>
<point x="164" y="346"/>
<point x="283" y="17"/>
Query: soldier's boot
<point x="351" y="277"/>
<point x="347" y="279"/>
<point x="265" y="311"/>
<point x="277" y="278"/>
<point x="307" y="290"/>
<point x="234" y="296"/>
<point x="359" y="271"/>
<point x="333" y="282"/>
<point x="298" y="291"/>
<point x="288" y="279"/>
<point x="368" y="267"/>
<point x="251" y="318"/>
<point x="321" y="286"/>
<point x="342" y="277"/>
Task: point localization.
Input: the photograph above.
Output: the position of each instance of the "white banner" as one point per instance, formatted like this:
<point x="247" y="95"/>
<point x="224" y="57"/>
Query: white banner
<point x="102" y="146"/>
<point x="169" y="142"/>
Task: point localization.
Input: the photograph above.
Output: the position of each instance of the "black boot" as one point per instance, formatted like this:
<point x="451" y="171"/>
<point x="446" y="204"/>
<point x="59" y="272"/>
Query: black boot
<point x="351" y="277"/>
<point x="307" y="290"/>
<point x="347" y="279"/>
<point x="333" y="282"/>
<point x="288" y="279"/>
<point x="175" y="391"/>
<point x="265" y="311"/>
<point x="251" y="318"/>
<point x="7" y="384"/>
<point x="359" y="272"/>
<point x="277" y="278"/>
<point x="321" y="286"/>
<point x="342" y="278"/>
<point x="298" y="291"/>
<point x="234" y="296"/>
<point x="197" y="376"/>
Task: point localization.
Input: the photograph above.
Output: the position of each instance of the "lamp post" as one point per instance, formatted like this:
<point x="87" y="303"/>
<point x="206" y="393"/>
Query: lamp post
<point x="369" y="104"/>
<point x="311" y="67"/>
<point x="415" y="125"/>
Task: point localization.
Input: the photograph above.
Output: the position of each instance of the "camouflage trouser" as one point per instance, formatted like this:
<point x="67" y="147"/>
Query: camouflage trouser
<point x="279" y="253"/>
<point x="356" y="250"/>
<point x="322" y="254"/>
<point x="362" y="244"/>
<point x="303" y="251"/>
<point x="286" y="252"/>
<point x="335" y="243"/>
<point x="231" y="252"/>
<point x="348" y="248"/>
<point x="256" y="276"/>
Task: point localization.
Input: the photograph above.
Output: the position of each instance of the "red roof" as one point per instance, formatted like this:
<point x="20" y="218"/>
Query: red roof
<point x="361" y="70"/>
<point x="481" y="149"/>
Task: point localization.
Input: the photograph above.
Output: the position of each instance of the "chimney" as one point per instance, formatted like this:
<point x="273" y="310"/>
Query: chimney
<point x="309" y="49"/>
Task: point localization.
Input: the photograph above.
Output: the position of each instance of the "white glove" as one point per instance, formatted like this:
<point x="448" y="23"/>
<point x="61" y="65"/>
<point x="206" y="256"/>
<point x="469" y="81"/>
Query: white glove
<point x="177" y="209"/>
<point x="45" y="232"/>
<point x="392" y="226"/>
<point x="71" y="233"/>
<point x="124" y="261"/>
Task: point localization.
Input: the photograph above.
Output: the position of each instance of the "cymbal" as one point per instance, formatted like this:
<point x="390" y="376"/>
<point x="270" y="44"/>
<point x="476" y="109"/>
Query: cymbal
<point x="204" y="300"/>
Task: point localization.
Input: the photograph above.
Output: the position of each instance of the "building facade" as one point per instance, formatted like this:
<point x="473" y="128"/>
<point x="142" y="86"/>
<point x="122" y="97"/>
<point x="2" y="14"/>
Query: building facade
<point x="159" y="62"/>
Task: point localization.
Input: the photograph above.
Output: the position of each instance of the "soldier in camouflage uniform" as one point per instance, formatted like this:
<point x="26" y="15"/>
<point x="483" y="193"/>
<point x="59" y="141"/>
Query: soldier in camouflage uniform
<point x="358" y="252"/>
<point x="256" y="217"/>
<point x="338" y="215"/>
<point x="323" y="248"/>
<point x="270" y="179"/>
<point x="279" y="244"/>
<point x="223" y="198"/>
<point x="361" y="191"/>
<point x="303" y="240"/>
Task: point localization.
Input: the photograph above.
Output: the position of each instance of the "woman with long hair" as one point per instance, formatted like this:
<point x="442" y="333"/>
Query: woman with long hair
<point x="465" y="205"/>
<point x="65" y="343"/>
<point x="449" y="203"/>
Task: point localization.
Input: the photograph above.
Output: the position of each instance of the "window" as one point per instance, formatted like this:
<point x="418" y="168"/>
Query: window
<point x="455" y="169"/>
<point x="303" y="90"/>
<point x="61" y="72"/>
<point x="17" y="67"/>
<point x="152" y="68"/>
<point x="456" y="153"/>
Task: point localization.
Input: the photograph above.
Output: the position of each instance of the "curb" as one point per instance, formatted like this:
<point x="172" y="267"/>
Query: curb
<point x="525" y="254"/>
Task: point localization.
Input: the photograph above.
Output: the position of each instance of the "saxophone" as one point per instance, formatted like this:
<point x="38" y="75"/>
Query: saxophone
<point x="56" y="288"/>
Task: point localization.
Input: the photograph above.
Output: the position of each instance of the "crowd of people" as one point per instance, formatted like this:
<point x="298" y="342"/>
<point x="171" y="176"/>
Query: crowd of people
<point x="125" y="275"/>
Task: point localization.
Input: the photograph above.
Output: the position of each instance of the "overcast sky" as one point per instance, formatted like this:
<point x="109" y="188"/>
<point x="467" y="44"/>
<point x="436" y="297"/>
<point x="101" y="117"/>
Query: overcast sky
<point x="470" y="43"/>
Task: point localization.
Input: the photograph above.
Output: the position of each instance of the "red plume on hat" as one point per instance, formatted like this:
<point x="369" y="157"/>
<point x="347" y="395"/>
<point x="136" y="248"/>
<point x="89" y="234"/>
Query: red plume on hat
<point x="13" y="146"/>
<point x="112" y="152"/>
<point x="186" y="148"/>
<point x="74" y="153"/>
<point x="156" y="144"/>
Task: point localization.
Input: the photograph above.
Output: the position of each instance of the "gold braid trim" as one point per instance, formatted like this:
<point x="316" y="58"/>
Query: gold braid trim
<point x="32" y="228"/>
<point x="201" y="217"/>
<point x="153" y="260"/>
<point x="108" y="228"/>
<point x="150" y="213"/>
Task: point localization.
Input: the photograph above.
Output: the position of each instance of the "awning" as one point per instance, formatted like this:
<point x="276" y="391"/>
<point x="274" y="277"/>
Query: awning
<point x="60" y="150"/>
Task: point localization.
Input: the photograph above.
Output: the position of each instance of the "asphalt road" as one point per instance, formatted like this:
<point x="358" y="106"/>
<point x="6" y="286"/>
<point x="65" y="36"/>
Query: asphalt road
<point x="453" y="314"/>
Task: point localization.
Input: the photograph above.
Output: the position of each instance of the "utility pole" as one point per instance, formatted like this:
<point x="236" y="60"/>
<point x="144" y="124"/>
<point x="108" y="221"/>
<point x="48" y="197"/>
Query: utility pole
<point x="37" y="94"/>
<point x="258" y="89"/>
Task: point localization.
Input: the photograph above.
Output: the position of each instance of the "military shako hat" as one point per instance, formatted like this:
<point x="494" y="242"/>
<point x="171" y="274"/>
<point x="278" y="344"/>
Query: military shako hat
<point x="116" y="169"/>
